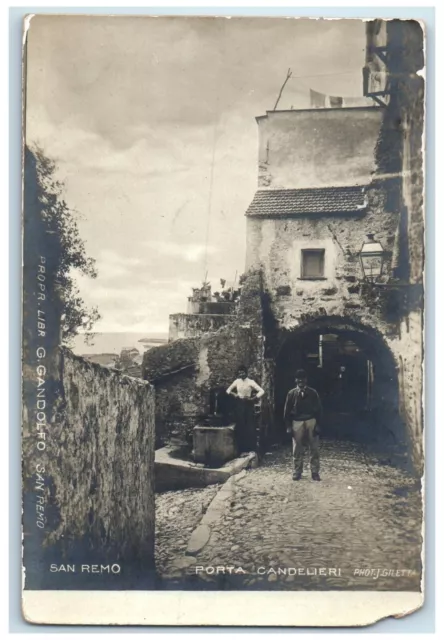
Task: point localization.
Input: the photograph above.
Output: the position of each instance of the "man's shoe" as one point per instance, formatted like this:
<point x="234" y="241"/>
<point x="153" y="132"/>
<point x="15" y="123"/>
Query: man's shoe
<point x="297" y="476"/>
<point x="315" y="476"/>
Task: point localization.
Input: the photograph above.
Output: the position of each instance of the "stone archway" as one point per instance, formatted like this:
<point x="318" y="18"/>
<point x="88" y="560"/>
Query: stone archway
<point x="354" y="371"/>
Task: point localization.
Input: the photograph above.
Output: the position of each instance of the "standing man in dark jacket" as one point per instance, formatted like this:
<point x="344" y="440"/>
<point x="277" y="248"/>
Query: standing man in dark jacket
<point x="302" y="414"/>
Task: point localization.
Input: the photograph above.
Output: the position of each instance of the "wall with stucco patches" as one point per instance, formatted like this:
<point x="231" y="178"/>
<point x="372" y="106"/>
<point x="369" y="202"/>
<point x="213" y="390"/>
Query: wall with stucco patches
<point x="275" y="245"/>
<point x="317" y="147"/>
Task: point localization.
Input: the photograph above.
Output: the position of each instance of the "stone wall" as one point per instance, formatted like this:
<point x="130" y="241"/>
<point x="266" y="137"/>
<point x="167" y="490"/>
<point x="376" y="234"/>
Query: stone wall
<point x="183" y="395"/>
<point x="403" y="131"/>
<point x="317" y="147"/>
<point x="401" y="150"/>
<point x="187" y="325"/>
<point x="185" y="371"/>
<point x="410" y="108"/>
<point x="411" y="384"/>
<point x="275" y="246"/>
<point x="98" y="466"/>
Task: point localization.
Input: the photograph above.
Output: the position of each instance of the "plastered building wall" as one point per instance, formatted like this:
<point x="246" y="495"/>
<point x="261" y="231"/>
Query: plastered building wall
<point x="317" y="147"/>
<point x="275" y="246"/>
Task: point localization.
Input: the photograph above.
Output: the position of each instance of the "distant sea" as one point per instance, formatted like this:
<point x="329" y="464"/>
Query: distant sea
<point x="115" y="342"/>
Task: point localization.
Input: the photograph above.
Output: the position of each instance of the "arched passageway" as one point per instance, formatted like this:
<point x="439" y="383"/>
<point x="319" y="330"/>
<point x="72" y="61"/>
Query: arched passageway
<point x="354" y="373"/>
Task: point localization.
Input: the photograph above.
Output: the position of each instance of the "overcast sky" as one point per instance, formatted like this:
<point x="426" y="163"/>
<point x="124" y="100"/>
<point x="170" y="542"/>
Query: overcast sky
<point x="137" y="111"/>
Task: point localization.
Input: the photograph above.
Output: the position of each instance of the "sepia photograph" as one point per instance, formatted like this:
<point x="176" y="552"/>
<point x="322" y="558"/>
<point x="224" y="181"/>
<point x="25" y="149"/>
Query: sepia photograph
<point x="223" y="308"/>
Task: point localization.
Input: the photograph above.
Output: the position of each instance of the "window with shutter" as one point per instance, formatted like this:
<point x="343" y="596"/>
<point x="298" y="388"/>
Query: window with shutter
<point x="312" y="264"/>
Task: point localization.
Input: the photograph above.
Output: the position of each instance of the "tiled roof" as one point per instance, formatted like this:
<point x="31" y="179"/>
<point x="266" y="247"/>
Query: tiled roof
<point x="289" y="202"/>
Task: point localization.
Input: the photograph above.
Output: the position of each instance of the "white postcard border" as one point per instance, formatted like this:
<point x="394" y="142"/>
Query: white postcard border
<point x="200" y="608"/>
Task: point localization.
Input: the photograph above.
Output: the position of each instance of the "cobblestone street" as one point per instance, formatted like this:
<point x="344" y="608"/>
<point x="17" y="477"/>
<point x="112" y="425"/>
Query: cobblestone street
<point x="177" y="514"/>
<point x="364" y="515"/>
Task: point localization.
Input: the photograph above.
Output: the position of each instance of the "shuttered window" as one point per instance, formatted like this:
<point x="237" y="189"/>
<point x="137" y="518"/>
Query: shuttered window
<point x="312" y="263"/>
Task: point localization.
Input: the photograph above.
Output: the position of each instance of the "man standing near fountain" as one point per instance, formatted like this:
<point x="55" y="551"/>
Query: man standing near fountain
<point x="246" y="391"/>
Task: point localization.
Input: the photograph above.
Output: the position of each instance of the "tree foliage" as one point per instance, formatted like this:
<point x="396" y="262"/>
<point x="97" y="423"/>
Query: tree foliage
<point x="66" y="252"/>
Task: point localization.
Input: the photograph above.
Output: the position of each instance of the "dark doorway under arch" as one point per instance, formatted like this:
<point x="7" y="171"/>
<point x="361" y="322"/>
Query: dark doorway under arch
<point x="354" y="373"/>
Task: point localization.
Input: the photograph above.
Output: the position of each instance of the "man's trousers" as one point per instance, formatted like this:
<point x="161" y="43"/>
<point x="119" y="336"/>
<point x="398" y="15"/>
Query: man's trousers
<point x="245" y="426"/>
<point x="303" y="432"/>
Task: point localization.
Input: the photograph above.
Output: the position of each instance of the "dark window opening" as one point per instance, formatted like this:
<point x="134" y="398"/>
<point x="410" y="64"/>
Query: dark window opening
<point x="312" y="263"/>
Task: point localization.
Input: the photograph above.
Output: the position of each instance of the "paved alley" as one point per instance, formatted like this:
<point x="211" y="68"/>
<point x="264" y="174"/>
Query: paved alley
<point x="359" y="528"/>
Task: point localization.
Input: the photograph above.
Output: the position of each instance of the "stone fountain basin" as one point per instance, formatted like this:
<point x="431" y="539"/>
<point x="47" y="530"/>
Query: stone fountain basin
<point x="214" y="445"/>
<point x="174" y="473"/>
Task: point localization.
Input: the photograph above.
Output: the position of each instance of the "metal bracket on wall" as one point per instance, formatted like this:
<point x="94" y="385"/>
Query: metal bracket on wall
<point x="381" y="52"/>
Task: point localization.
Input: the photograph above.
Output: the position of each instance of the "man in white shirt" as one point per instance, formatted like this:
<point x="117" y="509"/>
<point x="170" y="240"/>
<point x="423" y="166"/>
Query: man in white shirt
<point x="246" y="391"/>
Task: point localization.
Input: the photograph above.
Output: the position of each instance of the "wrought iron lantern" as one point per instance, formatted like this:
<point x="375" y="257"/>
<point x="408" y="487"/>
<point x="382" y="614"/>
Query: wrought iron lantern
<point x="372" y="258"/>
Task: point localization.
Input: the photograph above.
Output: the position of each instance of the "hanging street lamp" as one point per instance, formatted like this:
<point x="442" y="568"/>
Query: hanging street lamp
<point x="372" y="258"/>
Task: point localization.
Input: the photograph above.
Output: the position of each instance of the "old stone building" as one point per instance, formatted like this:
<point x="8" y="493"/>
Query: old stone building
<point x="334" y="265"/>
<point x="206" y="313"/>
<point x="319" y="199"/>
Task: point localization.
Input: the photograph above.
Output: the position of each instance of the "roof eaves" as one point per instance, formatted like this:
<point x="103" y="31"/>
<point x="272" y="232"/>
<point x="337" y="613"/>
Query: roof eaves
<point x="359" y="210"/>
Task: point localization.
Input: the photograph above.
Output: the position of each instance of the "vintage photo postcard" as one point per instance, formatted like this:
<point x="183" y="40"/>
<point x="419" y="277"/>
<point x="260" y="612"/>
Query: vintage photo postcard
<point x="223" y="257"/>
